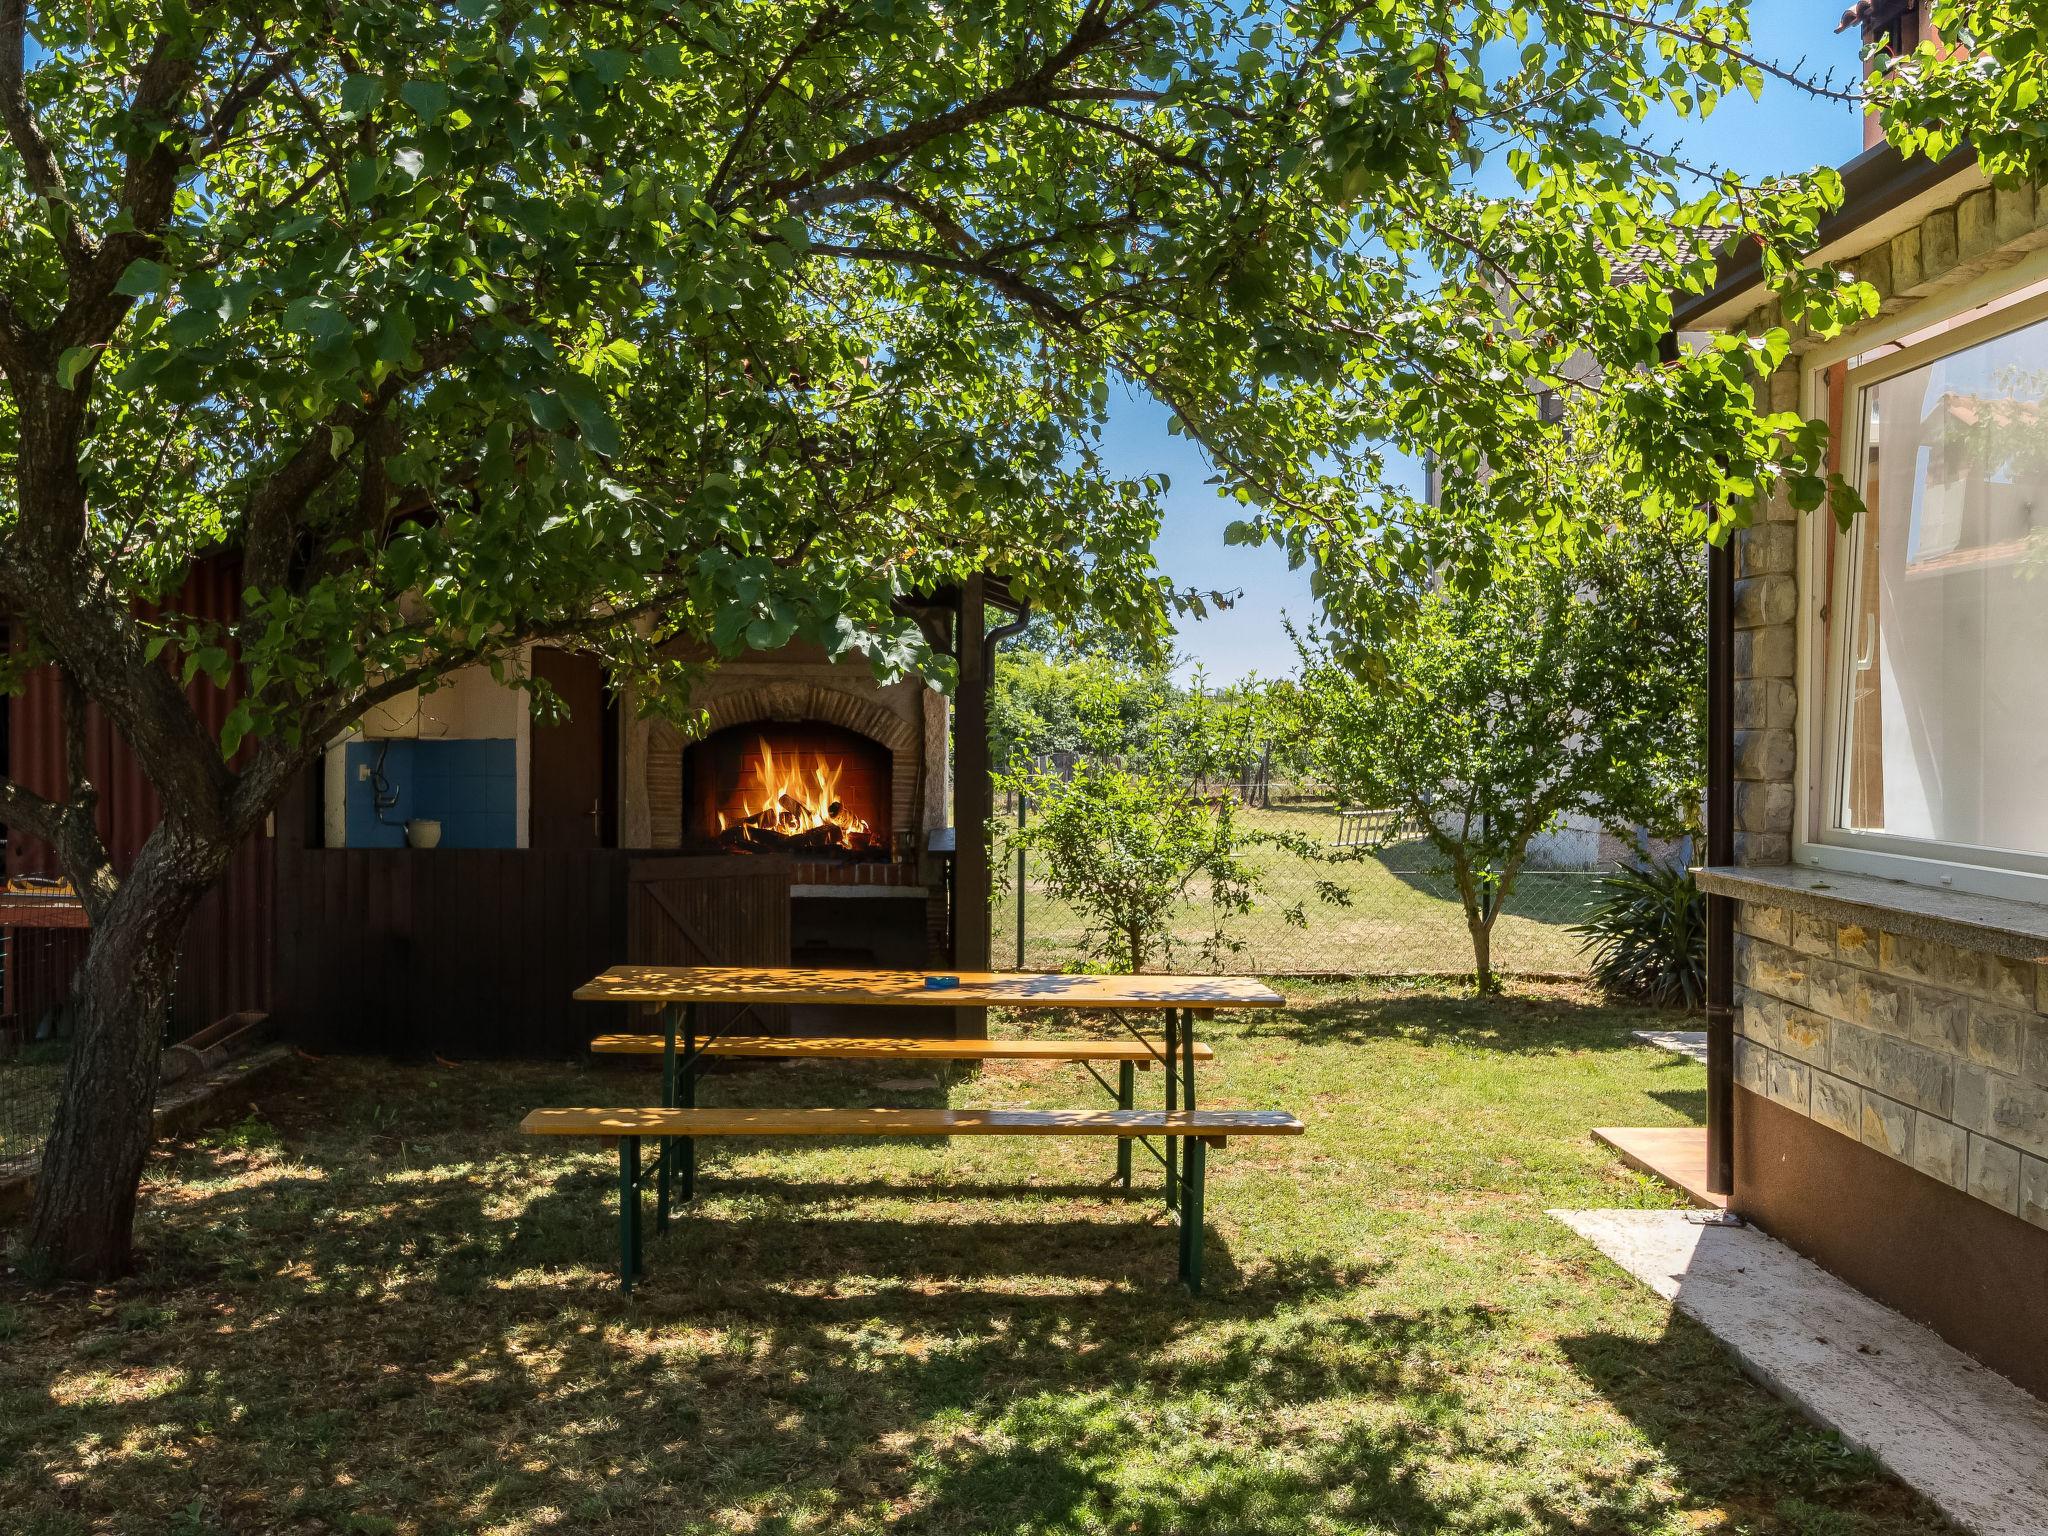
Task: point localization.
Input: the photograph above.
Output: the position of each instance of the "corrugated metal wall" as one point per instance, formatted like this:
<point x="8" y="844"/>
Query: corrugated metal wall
<point x="226" y="963"/>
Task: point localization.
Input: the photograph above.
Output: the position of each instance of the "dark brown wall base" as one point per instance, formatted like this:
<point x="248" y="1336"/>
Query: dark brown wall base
<point x="1972" y="1273"/>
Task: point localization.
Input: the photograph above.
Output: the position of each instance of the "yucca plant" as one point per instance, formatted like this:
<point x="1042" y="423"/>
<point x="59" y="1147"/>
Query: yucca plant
<point x="1647" y="935"/>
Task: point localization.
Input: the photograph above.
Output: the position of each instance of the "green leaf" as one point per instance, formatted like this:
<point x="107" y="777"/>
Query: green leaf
<point x="427" y="98"/>
<point x="359" y="93"/>
<point x="140" y="278"/>
<point x="72" y="362"/>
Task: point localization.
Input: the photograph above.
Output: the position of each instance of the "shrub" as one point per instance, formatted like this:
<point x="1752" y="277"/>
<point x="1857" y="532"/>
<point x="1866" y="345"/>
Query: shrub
<point x="1647" y="936"/>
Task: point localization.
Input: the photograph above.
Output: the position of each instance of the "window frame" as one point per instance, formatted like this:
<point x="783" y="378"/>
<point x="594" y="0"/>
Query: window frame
<point x="1827" y="564"/>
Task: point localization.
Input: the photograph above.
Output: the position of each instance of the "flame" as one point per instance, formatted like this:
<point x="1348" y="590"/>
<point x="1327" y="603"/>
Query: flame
<point x="782" y="800"/>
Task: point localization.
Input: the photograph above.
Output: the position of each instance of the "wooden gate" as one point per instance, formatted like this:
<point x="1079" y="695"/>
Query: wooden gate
<point x="712" y="911"/>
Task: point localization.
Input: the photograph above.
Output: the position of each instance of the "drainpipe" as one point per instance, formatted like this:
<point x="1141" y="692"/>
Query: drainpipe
<point x="1721" y="854"/>
<point x="1720" y="850"/>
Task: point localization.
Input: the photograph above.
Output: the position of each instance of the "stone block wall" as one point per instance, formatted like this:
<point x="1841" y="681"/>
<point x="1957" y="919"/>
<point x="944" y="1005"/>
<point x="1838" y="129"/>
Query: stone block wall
<point x="1931" y="1054"/>
<point x="1987" y="229"/>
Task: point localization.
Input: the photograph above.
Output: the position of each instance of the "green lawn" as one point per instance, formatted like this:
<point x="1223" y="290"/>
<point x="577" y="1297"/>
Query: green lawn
<point x="371" y="1307"/>
<point x="1401" y="920"/>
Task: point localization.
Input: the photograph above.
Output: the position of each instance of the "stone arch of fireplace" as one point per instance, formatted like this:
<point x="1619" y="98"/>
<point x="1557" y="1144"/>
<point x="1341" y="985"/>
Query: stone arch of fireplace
<point x="787" y="701"/>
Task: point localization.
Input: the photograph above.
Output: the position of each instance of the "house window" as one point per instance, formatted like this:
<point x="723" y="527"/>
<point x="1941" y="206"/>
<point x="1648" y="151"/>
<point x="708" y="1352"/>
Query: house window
<point x="1937" y="730"/>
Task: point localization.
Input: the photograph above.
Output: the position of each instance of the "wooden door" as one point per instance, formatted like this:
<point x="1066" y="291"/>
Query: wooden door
<point x="566" y="786"/>
<point x="730" y="910"/>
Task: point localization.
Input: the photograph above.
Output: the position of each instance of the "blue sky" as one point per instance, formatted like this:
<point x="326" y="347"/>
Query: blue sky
<point x="1785" y="131"/>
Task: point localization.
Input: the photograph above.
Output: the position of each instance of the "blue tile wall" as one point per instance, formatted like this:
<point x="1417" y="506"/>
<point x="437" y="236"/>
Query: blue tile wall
<point x="470" y="787"/>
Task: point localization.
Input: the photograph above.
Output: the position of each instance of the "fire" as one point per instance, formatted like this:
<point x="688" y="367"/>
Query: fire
<point x="794" y="801"/>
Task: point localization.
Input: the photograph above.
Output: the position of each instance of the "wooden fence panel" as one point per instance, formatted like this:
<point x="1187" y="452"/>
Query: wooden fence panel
<point x="712" y="911"/>
<point x="458" y="952"/>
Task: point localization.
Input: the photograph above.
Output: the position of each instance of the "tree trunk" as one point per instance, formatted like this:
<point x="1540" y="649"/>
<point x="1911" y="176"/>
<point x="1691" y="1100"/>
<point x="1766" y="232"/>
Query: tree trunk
<point x="83" y="1218"/>
<point x="1482" y="953"/>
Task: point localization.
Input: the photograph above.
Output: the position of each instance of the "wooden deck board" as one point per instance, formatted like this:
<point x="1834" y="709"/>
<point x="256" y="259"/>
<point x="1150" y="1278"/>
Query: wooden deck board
<point x="1677" y="1154"/>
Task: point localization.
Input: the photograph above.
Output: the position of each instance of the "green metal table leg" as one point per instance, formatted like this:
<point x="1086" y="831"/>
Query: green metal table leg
<point x="688" y="1088"/>
<point x="668" y="1099"/>
<point x="1172" y="1103"/>
<point x="1191" y="1195"/>
<point x="1126" y="1098"/>
<point x="1187" y="1094"/>
<point x="629" y="1212"/>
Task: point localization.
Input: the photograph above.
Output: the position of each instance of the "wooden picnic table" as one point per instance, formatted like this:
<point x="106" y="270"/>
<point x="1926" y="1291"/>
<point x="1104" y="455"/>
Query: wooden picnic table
<point x="677" y="990"/>
<point x="975" y="989"/>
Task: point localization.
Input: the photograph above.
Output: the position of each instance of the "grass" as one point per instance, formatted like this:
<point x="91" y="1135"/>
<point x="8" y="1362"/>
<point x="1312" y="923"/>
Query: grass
<point x="1400" y="919"/>
<point x="369" y="1306"/>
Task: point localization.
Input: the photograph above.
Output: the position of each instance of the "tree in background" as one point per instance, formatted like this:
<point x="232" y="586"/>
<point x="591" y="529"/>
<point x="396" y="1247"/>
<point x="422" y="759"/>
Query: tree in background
<point x="1131" y="848"/>
<point x="1563" y="685"/>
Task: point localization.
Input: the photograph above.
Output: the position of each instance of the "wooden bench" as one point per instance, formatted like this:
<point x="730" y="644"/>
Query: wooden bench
<point x="1198" y="1129"/>
<point x="1178" y="1052"/>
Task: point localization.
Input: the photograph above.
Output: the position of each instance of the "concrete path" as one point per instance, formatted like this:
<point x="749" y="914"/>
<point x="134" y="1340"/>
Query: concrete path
<point x="1685" y="1042"/>
<point x="1971" y="1441"/>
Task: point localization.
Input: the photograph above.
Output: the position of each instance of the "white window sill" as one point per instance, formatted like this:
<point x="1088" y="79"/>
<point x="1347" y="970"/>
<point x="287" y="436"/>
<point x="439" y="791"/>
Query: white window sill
<point x="2018" y="930"/>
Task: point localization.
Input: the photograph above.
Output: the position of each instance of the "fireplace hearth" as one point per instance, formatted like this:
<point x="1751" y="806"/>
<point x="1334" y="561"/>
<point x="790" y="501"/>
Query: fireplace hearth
<point x="805" y="789"/>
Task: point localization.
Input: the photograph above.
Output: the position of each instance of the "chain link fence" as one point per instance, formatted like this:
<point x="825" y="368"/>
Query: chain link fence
<point x="1401" y="914"/>
<point x="36" y="966"/>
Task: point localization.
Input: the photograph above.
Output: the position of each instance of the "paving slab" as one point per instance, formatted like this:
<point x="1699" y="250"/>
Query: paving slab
<point x="1682" y="1042"/>
<point x="1975" y="1444"/>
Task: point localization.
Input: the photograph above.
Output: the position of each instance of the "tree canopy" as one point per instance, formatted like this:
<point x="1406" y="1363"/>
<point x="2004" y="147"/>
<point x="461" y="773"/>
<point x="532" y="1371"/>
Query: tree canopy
<point x="459" y="326"/>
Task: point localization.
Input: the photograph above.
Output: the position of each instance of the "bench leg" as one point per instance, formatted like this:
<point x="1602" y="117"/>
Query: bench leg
<point x="1126" y="1098"/>
<point x="687" y="1145"/>
<point x="1187" y="1101"/>
<point x="1172" y="1103"/>
<point x="667" y="1154"/>
<point x="1191" y="1194"/>
<point x="629" y="1212"/>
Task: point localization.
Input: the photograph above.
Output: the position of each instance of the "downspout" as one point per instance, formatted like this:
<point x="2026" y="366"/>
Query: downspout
<point x="1720" y="855"/>
<point x="999" y="634"/>
<point x="1720" y="849"/>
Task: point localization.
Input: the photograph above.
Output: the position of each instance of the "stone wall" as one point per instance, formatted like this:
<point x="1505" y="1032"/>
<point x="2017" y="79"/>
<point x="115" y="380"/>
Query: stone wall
<point x="1984" y="231"/>
<point x="1931" y="1054"/>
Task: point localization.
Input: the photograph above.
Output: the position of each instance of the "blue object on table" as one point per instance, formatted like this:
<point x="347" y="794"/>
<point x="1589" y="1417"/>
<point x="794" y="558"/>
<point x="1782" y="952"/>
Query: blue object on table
<point x="940" y="983"/>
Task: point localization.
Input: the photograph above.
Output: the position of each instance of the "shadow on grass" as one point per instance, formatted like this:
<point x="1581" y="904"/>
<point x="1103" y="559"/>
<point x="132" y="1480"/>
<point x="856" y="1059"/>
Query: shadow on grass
<point x="1525" y="1025"/>
<point x="344" y="1325"/>
<point x="1730" y="1447"/>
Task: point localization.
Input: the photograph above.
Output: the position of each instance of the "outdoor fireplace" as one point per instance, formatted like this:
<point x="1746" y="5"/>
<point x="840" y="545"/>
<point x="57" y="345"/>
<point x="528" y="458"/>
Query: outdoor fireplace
<point x="805" y="789"/>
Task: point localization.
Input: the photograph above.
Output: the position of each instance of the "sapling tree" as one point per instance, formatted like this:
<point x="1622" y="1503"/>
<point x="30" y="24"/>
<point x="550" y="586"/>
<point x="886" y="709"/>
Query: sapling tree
<point x="1134" y="850"/>
<point x="1563" y="685"/>
<point x="461" y="326"/>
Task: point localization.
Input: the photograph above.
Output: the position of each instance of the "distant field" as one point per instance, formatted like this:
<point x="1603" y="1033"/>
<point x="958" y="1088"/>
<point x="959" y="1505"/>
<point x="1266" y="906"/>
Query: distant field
<point x="1399" y="921"/>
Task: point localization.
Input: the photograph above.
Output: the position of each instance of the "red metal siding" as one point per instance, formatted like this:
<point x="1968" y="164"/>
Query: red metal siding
<point x="226" y="962"/>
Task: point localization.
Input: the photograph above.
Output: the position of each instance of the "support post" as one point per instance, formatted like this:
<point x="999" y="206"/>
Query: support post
<point x="667" y="1153"/>
<point x="1191" y="1197"/>
<point x="973" y="802"/>
<point x="1187" y="1092"/>
<point x="1721" y="853"/>
<point x="629" y="1212"/>
<point x="1172" y="1103"/>
<point x="1126" y="1098"/>
<point x="687" y="1089"/>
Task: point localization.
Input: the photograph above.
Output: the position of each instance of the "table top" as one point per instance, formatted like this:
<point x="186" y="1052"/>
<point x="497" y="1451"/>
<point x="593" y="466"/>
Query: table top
<point x="977" y="989"/>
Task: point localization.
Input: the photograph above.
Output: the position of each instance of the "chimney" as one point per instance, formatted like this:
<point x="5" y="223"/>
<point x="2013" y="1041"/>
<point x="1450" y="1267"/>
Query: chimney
<point x="1898" y="25"/>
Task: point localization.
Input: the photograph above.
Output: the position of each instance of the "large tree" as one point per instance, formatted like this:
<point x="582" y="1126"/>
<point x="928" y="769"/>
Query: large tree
<point x="461" y="326"/>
